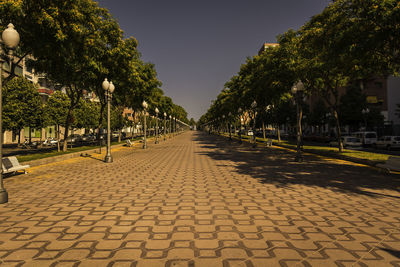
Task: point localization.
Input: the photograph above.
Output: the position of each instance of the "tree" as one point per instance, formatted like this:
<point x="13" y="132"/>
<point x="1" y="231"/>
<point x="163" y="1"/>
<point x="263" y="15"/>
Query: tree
<point x="70" y="40"/>
<point x="86" y="115"/>
<point x="22" y="106"/>
<point x="317" y="116"/>
<point x="56" y="109"/>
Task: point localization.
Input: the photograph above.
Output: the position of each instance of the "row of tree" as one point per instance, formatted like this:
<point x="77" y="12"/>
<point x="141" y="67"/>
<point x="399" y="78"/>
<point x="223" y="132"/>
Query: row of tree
<point x="347" y="44"/>
<point x="77" y="44"/>
<point x="24" y="108"/>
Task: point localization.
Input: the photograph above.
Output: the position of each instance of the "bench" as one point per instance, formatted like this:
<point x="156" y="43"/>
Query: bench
<point x="11" y="165"/>
<point x="268" y="142"/>
<point x="393" y="163"/>
<point x="129" y="143"/>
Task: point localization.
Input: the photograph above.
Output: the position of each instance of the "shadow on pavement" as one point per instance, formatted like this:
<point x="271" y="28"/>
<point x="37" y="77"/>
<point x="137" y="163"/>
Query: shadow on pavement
<point x="394" y="253"/>
<point x="277" y="166"/>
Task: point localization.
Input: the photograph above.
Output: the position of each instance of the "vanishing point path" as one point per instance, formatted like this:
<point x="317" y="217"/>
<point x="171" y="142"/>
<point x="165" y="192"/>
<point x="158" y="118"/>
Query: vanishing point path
<point x="197" y="200"/>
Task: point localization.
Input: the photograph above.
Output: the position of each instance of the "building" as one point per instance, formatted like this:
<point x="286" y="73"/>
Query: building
<point x="266" y="46"/>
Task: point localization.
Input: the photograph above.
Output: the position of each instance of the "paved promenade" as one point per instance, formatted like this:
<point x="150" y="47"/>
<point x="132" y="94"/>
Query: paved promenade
<point x="196" y="200"/>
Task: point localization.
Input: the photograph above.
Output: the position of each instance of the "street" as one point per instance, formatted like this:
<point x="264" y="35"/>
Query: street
<point x="199" y="200"/>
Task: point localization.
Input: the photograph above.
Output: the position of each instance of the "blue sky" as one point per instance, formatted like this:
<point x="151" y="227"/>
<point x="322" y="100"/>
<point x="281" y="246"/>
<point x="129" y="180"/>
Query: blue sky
<point x="197" y="46"/>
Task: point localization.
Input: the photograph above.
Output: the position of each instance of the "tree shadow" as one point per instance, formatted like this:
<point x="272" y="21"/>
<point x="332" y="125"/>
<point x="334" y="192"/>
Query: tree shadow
<point x="394" y="253"/>
<point x="271" y="165"/>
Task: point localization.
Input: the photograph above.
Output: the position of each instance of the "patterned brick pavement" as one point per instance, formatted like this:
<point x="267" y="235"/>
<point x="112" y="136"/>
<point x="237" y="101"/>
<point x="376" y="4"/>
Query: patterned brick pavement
<point x="197" y="200"/>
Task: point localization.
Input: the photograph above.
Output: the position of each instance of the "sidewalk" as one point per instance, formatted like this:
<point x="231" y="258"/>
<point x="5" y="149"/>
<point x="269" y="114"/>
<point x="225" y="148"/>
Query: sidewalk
<point x="198" y="200"/>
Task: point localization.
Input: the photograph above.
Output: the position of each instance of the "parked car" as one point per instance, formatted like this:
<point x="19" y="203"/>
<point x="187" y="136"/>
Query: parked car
<point x="388" y="142"/>
<point x="250" y="132"/>
<point x="367" y="138"/>
<point x="348" y="141"/>
<point x="74" y="138"/>
<point x="115" y="134"/>
<point x="88" y="137"/>
<point x="50" y="142"/>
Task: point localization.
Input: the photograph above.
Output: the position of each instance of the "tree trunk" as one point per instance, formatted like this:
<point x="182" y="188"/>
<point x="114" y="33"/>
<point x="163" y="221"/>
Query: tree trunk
<point x="119" y="136"/>
<point x="30" y="135"/>
<point x="58" y="137"/>
<point x="279" y="134"/>
<point x="67" y="122"/>
<point x="263" y="128"/>
<point x="339" y="131"/>
<point x="133" y="130"/>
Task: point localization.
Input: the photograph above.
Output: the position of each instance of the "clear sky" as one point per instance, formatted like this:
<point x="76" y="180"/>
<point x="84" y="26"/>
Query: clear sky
<point x="198" y="45"/>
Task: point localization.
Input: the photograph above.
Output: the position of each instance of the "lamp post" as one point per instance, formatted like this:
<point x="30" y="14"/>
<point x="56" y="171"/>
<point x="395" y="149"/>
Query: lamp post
<point x="254" y="106"/>
<point x="223" y="128"/>
<point x="229" y="125"/>
<point x="174" y="125"/>
<point x="170" y="119"/>
<point x="240" y="122"/>
<point x="297" y="91"/>
<point x="109" y="89"/>
<point x="144" y="105"/>
<point x="165" y="126"/>
<point x="10" y="38"/>
<point x="365" y="112"/>
<point x="157" y="111"/>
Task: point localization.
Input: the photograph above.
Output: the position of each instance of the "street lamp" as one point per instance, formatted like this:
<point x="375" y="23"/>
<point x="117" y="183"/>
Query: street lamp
<point x="174" y="126"/>
<point x="223" y="128"/>
<point x="157" y="111"/>
<point x="254" y="106"/>
<point x="10" y="38"/>
<point x="229" y="125"/>
<point x="109" y="89"/>
<point x="144" y="105"/>
<point x="365" y="112"/>
<point x="240" y="122"/>
<point x="165" y="126"/>
<point x="170" y="120"/>
<point x="297" y="91"/>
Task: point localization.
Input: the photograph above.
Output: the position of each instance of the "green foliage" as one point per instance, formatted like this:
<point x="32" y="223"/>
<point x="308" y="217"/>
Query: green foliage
<point x="86" y="115"/>
<point x="78" y="44"/>
<point x="22" y="105"/>
<point x="318" y="114"/>
<point x="57" y="108"/>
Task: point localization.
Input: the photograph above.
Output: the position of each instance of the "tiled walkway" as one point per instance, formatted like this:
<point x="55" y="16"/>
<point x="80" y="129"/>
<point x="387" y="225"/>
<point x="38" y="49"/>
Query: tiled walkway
<point x="197" y="200"/>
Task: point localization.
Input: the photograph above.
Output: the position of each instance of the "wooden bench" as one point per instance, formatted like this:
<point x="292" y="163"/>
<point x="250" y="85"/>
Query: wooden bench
<point x="392" y="164"/>
<point x="11" y="165"/>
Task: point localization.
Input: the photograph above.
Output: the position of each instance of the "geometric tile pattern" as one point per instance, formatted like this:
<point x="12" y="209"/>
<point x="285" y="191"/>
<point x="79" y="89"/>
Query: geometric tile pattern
<point x="198" y="200"/>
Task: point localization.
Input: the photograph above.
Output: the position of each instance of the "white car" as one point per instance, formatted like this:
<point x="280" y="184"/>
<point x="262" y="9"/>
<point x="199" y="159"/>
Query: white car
<point x="250" y="132"/>
<point x="50" y="142"/>
<point x="388" y="142"/>
<point x="348" y="141"/>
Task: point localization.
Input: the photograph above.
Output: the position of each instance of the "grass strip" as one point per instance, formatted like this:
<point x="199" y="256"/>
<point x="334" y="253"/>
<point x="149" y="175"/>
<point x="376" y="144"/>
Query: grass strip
<point x="42" y="155"/>
<point x="325" y="150"/>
